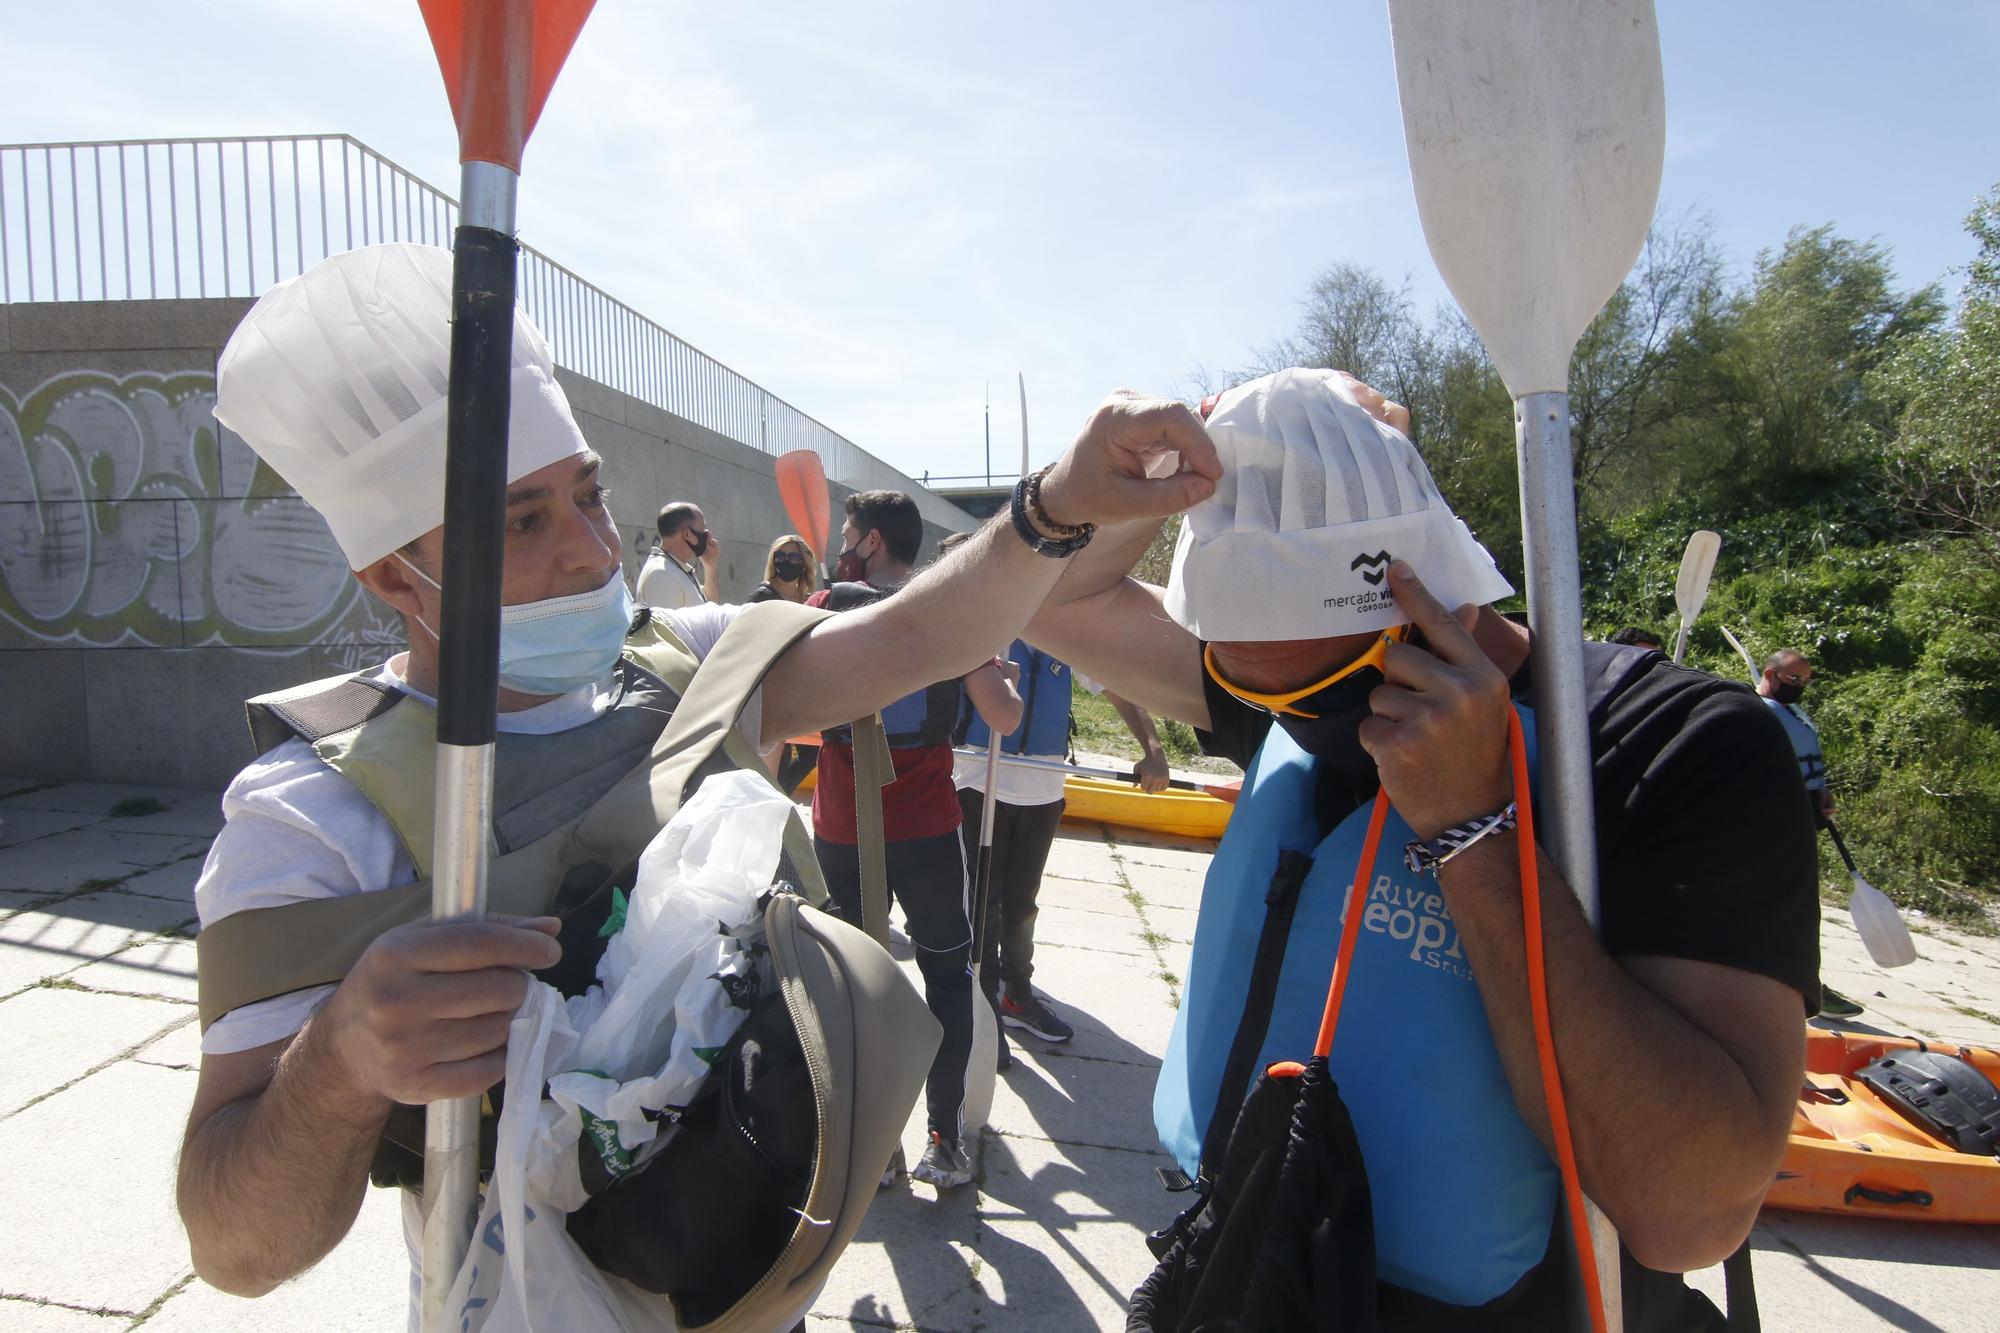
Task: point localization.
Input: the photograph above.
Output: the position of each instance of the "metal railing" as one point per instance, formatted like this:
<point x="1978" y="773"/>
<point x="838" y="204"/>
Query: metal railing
<point x="123" y="220"/>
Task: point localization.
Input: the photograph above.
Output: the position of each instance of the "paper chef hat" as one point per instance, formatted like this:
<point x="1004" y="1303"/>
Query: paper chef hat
<point x="336" y="378"/>
<point x="1316" y="498"/>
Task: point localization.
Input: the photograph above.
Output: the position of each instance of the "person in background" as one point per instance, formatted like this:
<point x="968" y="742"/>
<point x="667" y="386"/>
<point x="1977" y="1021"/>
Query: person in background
<point x="789" y="574"/>
<point x="1634" y="637"/>
<point x="670" y="579"/>
<point x="1782" y="684"/>
<point x="1027" y="810"/>
<point x="879" y="542"/>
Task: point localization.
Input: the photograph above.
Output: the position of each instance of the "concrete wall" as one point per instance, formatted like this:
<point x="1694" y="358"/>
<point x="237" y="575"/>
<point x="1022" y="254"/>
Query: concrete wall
<point x="153" y="573"/>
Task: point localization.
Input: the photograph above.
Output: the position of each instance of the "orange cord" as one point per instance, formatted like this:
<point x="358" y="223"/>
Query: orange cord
<point x="1538" y="997"/>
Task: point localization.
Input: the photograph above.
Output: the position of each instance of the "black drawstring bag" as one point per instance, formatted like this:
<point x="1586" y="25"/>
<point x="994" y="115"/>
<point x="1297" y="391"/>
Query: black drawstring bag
<point x="1284" y="1237"/>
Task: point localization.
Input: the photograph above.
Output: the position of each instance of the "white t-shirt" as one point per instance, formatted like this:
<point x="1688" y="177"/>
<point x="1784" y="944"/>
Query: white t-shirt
<point x="666" y="583"/>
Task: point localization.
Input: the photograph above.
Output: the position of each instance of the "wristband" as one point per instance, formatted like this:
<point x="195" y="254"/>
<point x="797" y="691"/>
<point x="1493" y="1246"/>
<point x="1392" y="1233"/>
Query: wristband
<point x="1422" y="855"/>
<point x="1054" y="547"/>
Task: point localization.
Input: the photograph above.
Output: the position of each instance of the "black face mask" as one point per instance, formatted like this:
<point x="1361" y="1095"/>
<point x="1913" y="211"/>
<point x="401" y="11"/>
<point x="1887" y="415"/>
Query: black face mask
<point x="788" y="568"/>
<point x="1337" y="713"/>
<point x="1787" y="693"/>
<point x="700" y="545"/>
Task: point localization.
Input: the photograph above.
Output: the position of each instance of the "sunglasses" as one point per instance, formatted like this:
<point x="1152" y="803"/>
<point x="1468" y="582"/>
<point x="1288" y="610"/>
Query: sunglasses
<point x="1377" y="657"/>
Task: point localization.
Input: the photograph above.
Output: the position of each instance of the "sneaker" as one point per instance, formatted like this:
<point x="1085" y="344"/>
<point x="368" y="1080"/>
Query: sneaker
<point x="894" y="1170"/>
<point x="944" y="1164"/>
<point x="1832" y="1004"/>
<point x="1033" y="1016"/>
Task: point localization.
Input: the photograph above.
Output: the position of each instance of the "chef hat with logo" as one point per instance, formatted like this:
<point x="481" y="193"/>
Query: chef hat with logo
<point x="1316" y="498"/>
<point x="336" y="378"/>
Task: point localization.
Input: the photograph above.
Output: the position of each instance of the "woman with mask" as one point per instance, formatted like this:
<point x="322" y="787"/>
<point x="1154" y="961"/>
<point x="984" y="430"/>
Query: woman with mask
<point x="788" y="571"/>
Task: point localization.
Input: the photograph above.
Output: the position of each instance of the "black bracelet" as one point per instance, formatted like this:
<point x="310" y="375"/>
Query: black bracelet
<point x="1055" y="548"/>
<point x="1041" y="515"/>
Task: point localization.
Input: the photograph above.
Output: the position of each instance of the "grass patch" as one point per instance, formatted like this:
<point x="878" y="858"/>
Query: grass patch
<point x="133" y="807"/>
<point x="1099" y="730"/>
<point x="93" y="884"/>
<point x="1979" y="1014"/>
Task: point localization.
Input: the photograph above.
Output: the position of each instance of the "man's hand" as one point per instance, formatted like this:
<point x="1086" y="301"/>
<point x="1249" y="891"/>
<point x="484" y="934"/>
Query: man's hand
<point x="1152" y="772"/>
<point x="1377" y="404"/>
<point x="1439" y="733"/>
<point x="424" y="1013"/>
<point x="1103" y="478"/>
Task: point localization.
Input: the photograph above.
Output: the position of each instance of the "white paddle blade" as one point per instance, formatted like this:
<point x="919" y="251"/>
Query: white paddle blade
<point x="1691" y="588"/>
<point x="1536" y="131"/>
<point x="981" y="1065"/>
<point x="1881" y="926"/>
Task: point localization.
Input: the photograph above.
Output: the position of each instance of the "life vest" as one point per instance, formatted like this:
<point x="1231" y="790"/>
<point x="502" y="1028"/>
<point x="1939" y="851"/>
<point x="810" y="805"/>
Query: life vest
<point x="1805" y="742"/>
<point x="925" y="717"/>
<point x="1463" y="1194"/>
<point x="1045" y="712"/>
<point x="572" y="810"/>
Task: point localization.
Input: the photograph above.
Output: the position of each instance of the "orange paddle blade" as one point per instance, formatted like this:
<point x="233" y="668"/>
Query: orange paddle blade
<point x="808" y="504"/>
<point x="500" y="58"/>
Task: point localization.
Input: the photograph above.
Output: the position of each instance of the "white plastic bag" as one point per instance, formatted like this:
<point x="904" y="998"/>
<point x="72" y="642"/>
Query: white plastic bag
<point x="672" y="984"/>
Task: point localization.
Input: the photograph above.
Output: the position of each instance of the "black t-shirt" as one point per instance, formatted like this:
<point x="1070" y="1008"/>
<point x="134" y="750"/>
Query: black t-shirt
<point x="764" y="592"/>
<point x="1705" y="850"/>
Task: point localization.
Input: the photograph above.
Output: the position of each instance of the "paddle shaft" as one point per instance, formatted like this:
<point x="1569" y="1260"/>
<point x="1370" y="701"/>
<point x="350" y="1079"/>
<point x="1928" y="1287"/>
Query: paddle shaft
<point x="1074" y="770"/>
<point x="983" y="876"/>
<point x="1840" y="845"/>
<point x="475" y="506"/>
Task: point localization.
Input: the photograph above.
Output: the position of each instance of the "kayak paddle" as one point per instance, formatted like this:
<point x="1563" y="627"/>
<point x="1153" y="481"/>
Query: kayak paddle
<point x="1691" y="588"/>
<point x="982" y="1064"/>
<point x="1744" y="653"/>
<point x="1880" y="924"/>
<point x="802" y="488"/>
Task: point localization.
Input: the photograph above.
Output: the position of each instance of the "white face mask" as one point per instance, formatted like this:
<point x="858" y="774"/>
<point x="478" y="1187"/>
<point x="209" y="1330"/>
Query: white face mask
<point x="559" y="643"/>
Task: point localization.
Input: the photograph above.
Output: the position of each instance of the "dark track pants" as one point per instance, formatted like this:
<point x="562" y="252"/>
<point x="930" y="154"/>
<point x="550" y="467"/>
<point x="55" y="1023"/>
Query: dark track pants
<point x="1022" y="836"/>
<point x="927" y="877"/>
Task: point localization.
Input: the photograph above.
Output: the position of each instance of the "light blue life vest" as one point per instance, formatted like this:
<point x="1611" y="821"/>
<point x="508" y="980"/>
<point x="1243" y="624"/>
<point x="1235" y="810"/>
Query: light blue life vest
<point x="1805" y="742"/>
<point x="1464" y="1196"/>
<point x="1045" y="699"/>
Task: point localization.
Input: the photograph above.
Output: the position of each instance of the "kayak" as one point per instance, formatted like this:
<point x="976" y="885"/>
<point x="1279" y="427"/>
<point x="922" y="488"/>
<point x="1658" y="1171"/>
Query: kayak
<point x="1190" y="814"/>
<point x="1852" y="1152"/>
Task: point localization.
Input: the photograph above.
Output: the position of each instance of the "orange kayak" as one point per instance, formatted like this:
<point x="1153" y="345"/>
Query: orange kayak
<point x="1853" y="1153"/>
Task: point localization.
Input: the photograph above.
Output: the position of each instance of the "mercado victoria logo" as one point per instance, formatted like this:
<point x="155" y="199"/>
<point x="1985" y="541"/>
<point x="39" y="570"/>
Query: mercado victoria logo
<point x="1374" y="570"/>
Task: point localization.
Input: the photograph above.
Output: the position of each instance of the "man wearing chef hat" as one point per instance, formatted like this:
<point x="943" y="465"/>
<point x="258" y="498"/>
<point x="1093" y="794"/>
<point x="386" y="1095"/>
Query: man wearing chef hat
<point x="1326" y="593"/>
<point x="337" y="379"/>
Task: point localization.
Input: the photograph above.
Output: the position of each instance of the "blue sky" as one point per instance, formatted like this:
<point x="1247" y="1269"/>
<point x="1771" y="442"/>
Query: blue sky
<point x="873" y="209"/>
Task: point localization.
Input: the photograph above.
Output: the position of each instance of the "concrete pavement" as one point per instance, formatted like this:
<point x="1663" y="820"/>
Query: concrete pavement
<point x="98" y="1052"/>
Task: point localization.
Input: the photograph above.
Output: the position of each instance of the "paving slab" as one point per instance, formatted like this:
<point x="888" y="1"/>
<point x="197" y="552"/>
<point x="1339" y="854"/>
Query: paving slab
<point x="1077" y="1100"/>
<point x="362" y="1287"/>
<point x="174" y="882"/>
<point x="99" y="797"/>
<point x="17" y="1316"/>
<point x="1059" y="926"/>
<point x="25" y="824"/>
<point x="1104" y="896"/>
<point x="50" y="1037"/>
<point x="95" y="857"/>
<point x="1120" y="1007"/>
<point x="161" y="968"/>
<point x="177" y="1048"/>
<point x="52" y="939"/>
<point x="117" y="1132"/>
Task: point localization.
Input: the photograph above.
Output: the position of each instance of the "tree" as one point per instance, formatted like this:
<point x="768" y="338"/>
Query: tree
<point x="1945" y="462"/>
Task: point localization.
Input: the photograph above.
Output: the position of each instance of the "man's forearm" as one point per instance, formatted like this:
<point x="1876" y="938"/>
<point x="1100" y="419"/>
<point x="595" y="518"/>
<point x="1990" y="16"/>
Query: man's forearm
<point x="270" y="1183"/>
<point x="1137" y="721"/>
<point x="1625" y="1054"/>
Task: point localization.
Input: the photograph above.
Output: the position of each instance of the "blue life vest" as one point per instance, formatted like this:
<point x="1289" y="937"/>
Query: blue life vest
<point x="924" y="717"/>
<point x="1805" y="742"/>
<point x="1464" y="1196"/>
<point x="1045" y="699"/>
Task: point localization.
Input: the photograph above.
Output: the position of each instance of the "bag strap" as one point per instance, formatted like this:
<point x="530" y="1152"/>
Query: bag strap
<point x="874" y="769"/>
<point x="257" y="954"/>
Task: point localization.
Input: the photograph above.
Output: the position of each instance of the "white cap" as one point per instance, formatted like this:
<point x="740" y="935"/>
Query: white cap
<point x="1316" y="498"/>
<point x="337" y="379"/>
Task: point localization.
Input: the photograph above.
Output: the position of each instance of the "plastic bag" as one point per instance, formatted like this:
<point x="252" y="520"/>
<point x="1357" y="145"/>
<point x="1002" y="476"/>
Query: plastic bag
<point x="674" y="984"/>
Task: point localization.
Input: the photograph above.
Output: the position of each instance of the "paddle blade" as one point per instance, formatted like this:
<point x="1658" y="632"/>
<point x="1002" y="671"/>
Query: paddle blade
<point x="808" y="504"/>
<point x="1881" y="925"/>
<point x="980" y="1065"/>
<point x="1743" y="653"/>
<point x="1691" y="588"/>
<point x="500" y="58"/>
<point x="1022" y="380"/>
<point x="1536" y="131"/>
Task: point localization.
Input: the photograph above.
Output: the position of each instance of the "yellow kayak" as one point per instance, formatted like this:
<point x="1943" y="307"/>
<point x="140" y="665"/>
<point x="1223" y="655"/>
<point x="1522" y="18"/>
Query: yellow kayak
<point x="1190" y="814"/>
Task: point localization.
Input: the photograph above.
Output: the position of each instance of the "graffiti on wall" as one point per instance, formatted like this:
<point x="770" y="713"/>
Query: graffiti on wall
<point x="128" y="518"/>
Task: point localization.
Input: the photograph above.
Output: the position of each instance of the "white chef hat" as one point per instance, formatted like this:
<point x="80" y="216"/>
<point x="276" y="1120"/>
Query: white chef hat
<point x="1316" y="498"/>
<point x="337" y="379"/>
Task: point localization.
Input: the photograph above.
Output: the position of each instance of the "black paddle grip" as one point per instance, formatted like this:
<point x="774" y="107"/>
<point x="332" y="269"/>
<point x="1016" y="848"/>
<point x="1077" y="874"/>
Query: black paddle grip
<point x="475" y="483"/>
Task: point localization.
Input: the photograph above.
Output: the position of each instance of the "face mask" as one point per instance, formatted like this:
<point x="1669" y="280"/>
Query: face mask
<point x="788" y="568"/>
<point x="560" y="643"/>
<point x="1787" y="693"/>
<point x="851" y="567"/>
<point x="1322" y="718"/>
<point x="700" y="540"/>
